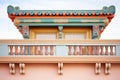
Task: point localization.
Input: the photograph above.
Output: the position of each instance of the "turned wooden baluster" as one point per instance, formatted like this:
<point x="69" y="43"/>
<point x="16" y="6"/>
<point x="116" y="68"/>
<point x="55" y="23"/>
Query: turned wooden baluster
<point x="31" y="50"/>
<point x="16" y="50"/>
<point x="106" y="50"/>
<point x="97" y="50"/>
<point x="26" y="50"/>
<point x="46" y="50"/>
<point x="90" y="50"/>
<point x="51" y="50"/>
<point x="41" y="50"/>
<point x="69" y="50"/>
<point x="111" y="50"/>
<point x="10" y="50"/>
<point x="21" y="50"/>
<point x="36" y="50"/>
<point x="75" y="50"/>
<point x="102" y="51"/>
<point x="80" y="50"/>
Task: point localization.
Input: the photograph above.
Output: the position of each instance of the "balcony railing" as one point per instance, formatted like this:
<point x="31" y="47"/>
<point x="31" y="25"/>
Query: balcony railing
<point x="60" y="47"/>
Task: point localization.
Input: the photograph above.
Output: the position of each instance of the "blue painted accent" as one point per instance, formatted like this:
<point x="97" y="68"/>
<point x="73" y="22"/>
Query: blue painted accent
<point x="4" y="50"/>
<point x="61" y="50"/>
<point x="118" y="50"/>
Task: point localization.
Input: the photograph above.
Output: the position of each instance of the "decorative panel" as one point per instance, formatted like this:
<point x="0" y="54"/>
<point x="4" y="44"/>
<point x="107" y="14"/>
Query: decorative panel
<point x="46" y="36"/>
<point x="75" y="36"/>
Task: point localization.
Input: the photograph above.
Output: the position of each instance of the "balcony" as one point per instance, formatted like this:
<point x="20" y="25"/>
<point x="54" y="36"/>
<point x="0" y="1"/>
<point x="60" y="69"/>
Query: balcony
<point x="54" y="51"/>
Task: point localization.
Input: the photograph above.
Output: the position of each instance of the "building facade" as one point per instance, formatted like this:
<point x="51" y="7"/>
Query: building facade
<point x="60" y="45"/>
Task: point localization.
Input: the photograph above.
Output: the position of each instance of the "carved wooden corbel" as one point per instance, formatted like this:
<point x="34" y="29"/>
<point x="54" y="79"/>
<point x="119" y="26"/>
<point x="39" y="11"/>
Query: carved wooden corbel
<point x="97" y="68"/>
<point x="60" y="68"/>
<point x="107" y="68"/>
<point x="95" y="32"/>
<point x="22" y="68"/>
<point x="60" y="28"/>
<point x="12" y="68"/>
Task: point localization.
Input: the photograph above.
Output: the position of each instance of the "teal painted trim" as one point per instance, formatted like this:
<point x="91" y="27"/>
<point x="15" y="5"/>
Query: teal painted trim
<point x="4" y="50"/>
<point x="11" y="9"/>
<point x="118" y="50"/>
<point x="66" y="20"/>
<point x="63" y="24"/>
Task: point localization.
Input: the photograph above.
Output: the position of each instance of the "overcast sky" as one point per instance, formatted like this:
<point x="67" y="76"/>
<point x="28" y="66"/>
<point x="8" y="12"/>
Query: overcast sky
<point x="9" y="31"/>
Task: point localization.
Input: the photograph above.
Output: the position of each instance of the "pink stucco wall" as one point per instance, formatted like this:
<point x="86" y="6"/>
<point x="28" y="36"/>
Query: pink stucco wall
<point x="49" y="72"/>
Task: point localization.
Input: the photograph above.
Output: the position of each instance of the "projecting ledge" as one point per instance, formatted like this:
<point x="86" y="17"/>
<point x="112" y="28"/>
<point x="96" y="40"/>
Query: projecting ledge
<point x="60" y="59"/>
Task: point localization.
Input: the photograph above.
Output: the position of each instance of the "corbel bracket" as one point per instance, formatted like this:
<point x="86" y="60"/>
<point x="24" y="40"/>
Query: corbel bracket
<point x="12" y="68"/>
<point x="60" y="68"/>
<point x="22" y="68"/>
<point x="107" y="68"/>
<point x="97" y="68"/>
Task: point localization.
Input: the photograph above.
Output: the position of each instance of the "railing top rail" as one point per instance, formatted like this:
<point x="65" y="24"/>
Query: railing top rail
<point x="60" y="42"/>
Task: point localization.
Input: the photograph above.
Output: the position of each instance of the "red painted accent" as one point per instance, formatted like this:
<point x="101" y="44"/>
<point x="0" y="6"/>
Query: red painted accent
<point x="50" y="14"/>
<point x="101" y="13"/>
<point x="100" y="31"/>
<point x="71" y="13"/>
<point x="57" y="14"/>
<point x="43" y="13"/>
<point x="64" y="13"/>
<point x="27" y="13"/>
<point x="108" y="13"/>
<point x="13" y="13"/>
<point x="93" y="13"/>
<point x="35" y="13"/>
<point x="20" y="13"/>
<point x="85" y="13"/>
<point x="78" y="13"/>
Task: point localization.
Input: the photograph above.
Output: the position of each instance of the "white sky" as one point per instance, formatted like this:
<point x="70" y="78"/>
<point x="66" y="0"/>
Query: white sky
<point x="9" y="31"/>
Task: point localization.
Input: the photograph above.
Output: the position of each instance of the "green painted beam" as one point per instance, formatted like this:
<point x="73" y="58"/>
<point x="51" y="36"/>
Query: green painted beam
<point x="63" y="24"/>
<point x="66" y="20"/>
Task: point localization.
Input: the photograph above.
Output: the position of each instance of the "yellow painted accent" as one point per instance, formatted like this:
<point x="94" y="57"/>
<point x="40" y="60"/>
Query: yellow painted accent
<point x="86" y="31"/>
<point x="90" y="20"/>
<point x="16" y="21"/>
<point x="35" y="31"/>
<point x="61" y="20"/>
<point x="27" y="20"/>
<point x="106" y="22"/>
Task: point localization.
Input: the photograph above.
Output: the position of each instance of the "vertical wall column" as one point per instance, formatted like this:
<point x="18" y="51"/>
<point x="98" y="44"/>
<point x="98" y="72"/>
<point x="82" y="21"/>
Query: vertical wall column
<point x="25" y="31"/>
<point x="95" y="32"/>
<point x="60" y="28"/>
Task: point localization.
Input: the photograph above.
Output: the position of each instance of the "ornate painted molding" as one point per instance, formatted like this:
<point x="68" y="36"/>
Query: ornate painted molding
<point x="95" y="30"/>
<point x="16" y="11"/>
<point x="60" y="28"/>
<point x="24" y="29"/>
